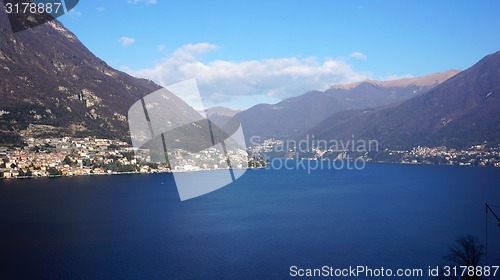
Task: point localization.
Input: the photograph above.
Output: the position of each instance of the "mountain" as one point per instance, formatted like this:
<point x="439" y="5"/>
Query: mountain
<point x="425" y="81"/>
<point x="462" y="111"/>
<point x="52" y="85"/>
<point x="294" y="116"/>
<point x="221" y="116"/>
<point x="221" y="111"/>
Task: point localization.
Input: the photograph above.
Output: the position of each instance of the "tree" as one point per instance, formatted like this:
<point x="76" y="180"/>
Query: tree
<point x="67" y="160"/>
<point x="54" y="171"/>
<point x="128" y="155"/>
<point x="87" y="162"/>
<point x="113" y="147"/>
<point x="467" y="251"/>
<point x="153" y="165"/>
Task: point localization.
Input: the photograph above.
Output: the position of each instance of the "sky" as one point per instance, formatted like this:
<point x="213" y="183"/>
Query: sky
<point x="242" y="53"/>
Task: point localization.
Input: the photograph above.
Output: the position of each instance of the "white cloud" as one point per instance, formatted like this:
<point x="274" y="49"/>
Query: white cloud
<point x="223" y="81"/>
<point x="358" y="55"/>
<point x="126" y="41"/>
<point x="101" y="9"/>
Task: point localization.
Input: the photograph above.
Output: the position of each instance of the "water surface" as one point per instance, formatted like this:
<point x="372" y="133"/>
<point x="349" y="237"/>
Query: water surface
<point x="135" y="227"/>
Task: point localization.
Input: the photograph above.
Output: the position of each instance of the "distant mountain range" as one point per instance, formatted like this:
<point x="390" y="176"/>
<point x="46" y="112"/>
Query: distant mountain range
<point x="52" y="85"/>
<point x="294" y="116"/>
<point x="463" y="110"/>
<point x="424" y="81"/>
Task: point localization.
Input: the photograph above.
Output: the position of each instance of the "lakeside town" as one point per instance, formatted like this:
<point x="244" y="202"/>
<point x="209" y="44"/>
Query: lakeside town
<point x="53" y="157"/>
<point x="477" y="155"/>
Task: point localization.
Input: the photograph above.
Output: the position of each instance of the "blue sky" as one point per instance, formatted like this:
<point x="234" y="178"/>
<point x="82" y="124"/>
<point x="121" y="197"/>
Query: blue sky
<point x="247" y="52"/>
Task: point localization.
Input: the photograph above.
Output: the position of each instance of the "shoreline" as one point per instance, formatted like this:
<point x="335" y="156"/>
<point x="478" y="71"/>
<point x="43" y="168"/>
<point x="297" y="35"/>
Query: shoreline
<point x="115" y="173"/>
<point x="169" y="171"/>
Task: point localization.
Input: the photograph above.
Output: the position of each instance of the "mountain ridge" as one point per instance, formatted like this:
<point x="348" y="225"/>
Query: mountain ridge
<point x="427" y="80"/>
<point x="459" y="112"/>
<point x="51" y="82"/>
<point x="296" y="115"/>
<point x="221" y="111"/>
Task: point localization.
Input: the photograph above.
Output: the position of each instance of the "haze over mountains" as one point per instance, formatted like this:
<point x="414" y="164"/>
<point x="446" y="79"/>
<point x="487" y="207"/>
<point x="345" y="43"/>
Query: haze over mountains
<point x="294" y="116"/>
<point x="53" y="85"/>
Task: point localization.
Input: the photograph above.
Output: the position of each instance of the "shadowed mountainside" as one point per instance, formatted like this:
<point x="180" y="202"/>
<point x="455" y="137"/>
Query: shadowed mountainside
<point x="462" y="111"/>
<point x="52" y="85"/>
<point x="294" y="116"/>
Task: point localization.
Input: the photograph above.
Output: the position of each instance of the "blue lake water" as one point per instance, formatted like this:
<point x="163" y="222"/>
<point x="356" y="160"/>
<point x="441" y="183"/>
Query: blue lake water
<point x="135" y="227"/>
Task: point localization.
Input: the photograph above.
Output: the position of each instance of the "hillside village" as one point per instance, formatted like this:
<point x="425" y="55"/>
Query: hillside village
<point x="476" y="155"/>
<point x="67" y="156"/>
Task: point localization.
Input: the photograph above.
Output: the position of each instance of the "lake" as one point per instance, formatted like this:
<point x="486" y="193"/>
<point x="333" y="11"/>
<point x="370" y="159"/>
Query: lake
<point x="135" y="226"/>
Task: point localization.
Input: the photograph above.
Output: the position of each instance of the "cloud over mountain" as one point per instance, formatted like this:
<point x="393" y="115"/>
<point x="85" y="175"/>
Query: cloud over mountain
<point x="222" y="80"/>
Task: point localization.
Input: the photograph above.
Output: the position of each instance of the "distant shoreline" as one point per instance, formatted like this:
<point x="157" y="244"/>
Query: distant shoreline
<point x="184" y="171"/>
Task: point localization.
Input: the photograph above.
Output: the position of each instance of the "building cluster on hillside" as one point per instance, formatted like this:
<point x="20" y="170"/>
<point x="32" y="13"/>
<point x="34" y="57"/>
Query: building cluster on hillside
<point x="266" y="146"/>
<point x="477" y="155"/>
<point x="86" y="156"/>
